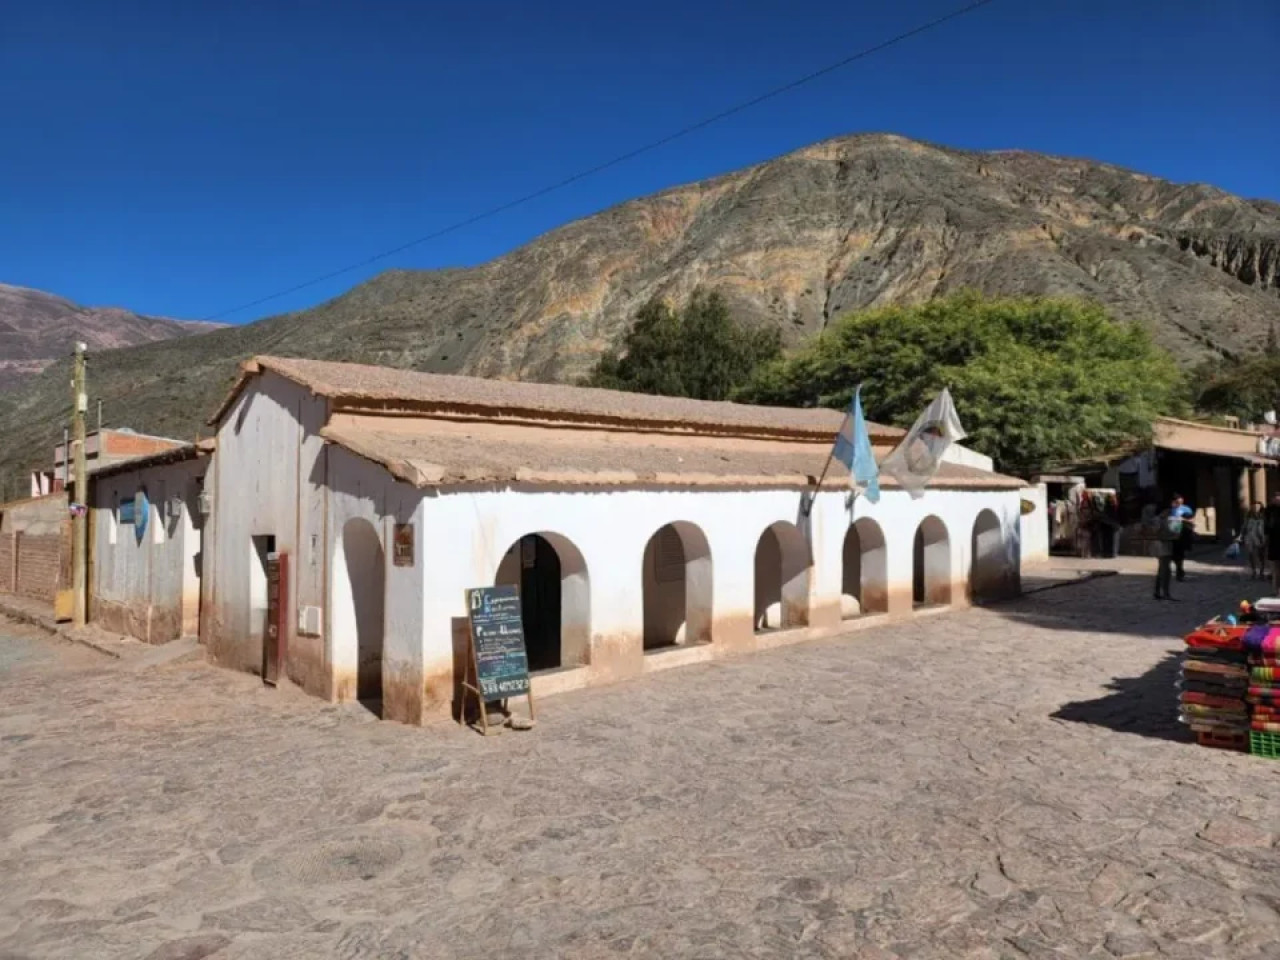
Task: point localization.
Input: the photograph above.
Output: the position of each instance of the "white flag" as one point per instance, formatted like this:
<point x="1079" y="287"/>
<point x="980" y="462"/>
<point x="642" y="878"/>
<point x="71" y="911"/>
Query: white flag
<point x="916" y="459"/>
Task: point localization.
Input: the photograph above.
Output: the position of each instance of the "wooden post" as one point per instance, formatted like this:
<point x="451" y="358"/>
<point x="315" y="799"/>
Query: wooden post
<point x="80" y="519"/>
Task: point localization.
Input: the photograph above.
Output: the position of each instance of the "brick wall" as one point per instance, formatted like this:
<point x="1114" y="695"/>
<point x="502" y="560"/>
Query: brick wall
<point x="39" y="567"/>
<point x="6" y="564"/>
<point x="41" y="564"/>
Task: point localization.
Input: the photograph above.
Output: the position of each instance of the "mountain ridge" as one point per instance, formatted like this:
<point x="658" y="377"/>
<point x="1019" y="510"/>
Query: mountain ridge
<point x="37" y="327"/>
<point x="796" y="241"/>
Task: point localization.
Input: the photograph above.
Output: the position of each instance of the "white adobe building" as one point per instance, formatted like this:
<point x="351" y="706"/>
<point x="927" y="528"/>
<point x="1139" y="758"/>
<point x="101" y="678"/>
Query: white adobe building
<point x="145" y="537"/>
<point x="644" y="532"/>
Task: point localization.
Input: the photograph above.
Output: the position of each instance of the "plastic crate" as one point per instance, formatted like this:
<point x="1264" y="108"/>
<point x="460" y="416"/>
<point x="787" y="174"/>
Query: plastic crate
<point x="1264" y="744"/>
<point x="1223" y="741"/>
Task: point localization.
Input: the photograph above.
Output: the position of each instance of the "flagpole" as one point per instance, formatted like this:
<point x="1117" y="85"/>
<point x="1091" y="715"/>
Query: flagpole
<point x="808" y="505"/>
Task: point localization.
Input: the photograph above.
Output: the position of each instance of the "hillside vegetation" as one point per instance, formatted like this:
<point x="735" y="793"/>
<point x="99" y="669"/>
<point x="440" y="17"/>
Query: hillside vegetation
<point x="848" y="224"/>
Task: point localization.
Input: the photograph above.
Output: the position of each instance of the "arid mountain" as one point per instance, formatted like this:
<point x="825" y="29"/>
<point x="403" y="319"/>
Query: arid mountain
<point x="853" y="222"/>
<point x="36" y="328"/>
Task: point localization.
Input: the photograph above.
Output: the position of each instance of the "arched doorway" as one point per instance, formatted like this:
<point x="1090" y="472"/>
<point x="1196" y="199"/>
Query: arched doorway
<point x="357" y="601"/>
<point x="992" y="571"/>
<point x="554" y="599"/>
<point x="782" y="578"/>
<point x="931" y="582"/>
<point x="677" y="587"/>
<point x="865" y="578"/>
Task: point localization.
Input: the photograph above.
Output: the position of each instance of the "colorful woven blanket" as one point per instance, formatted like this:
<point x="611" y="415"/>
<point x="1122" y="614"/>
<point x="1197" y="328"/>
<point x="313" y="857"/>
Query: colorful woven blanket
<point x="1222" y="713"/>
<point x="1262" y="638"/>
<point x="1213" y="668"/>
<point x="1220" y="635"/>
<point x="1217" y="654"/>
<point x="1212" y="700"/>
<point x="1202" y="725"/>
<point x="1218" y="688"/>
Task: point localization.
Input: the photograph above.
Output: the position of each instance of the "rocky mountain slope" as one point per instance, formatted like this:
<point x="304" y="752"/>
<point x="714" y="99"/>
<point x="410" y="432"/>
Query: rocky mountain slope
<point x="848" y="223"/>
<point x="36" y="328"/>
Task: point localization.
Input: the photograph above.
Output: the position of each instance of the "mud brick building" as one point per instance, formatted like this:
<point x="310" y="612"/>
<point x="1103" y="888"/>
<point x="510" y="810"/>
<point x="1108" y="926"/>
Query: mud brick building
<point x="644" y="532"/>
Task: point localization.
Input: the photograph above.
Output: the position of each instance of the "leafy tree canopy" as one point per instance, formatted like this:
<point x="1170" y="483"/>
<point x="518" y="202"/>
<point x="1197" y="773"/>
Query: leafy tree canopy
<point x="1036" y="381"/>
<point x="1246" y="388"/>
<point x="699" y="351"/>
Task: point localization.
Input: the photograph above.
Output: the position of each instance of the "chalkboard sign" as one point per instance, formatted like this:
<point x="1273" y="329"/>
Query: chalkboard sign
<point x="497" y="642"/>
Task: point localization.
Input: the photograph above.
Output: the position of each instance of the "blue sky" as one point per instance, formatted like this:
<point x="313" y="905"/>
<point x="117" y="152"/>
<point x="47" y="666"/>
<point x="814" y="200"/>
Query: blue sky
<point x="182" y="158"/>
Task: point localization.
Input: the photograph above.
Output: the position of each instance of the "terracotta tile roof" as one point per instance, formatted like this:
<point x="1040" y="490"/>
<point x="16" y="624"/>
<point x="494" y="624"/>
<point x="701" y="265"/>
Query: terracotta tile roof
<point x="443" y="453"/>
<point x="372" y="389"/>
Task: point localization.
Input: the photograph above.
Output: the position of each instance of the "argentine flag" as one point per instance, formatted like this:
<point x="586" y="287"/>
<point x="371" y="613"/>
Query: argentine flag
<point x="853" y="449"/>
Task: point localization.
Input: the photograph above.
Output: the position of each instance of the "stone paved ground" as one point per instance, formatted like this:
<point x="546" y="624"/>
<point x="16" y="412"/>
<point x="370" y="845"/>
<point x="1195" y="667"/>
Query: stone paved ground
<point x="998" y="783"/>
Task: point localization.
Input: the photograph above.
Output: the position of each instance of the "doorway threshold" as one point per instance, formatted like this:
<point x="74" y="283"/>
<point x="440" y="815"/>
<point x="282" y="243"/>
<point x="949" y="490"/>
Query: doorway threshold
<point x="555" y="680"/>
<point x="677" y="655"/>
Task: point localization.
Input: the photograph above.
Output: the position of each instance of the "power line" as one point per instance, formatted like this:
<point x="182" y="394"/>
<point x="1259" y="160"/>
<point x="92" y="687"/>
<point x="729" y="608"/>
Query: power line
<point x="621" y="158"/>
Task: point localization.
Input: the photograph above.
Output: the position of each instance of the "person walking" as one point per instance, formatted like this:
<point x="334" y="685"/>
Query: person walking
<point x="1271" y="521"/>
<point x="1253" y="540"/>
<point x="1168" y="530"/>
<point x="1184" y="513"/>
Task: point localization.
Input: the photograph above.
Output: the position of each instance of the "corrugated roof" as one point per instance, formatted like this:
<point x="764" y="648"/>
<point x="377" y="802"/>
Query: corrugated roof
<point x="443" y="453"/>
<point x="371" y="389"/>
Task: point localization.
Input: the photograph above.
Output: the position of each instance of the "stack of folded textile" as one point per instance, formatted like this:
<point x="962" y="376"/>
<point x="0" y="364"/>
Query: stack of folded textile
<point x="1262" y="645"/>
<point x="1214" y="685"/>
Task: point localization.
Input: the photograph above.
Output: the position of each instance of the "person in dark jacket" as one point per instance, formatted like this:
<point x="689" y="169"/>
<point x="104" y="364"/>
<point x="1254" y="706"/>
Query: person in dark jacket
<point x="1272" y="522"/>
<point x="1167" y="528"/>
<point x="1180" y="509"/>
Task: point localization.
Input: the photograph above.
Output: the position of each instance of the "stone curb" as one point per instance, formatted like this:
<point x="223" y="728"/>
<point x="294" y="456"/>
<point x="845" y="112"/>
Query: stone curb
<point x="22" y="615"/>
<point x="51" y="626"/>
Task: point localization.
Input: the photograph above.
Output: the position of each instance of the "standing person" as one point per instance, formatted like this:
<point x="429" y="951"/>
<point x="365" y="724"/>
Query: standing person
<point x="1184" y="513"/>
<point x="1253" y="538"/>
<point x="1271" y="520"/>
<point x="1168" y="529"/>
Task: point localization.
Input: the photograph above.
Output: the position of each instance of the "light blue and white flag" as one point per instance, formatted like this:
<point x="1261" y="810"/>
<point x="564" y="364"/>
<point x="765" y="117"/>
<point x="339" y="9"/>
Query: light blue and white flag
<point x="853" y="449"/>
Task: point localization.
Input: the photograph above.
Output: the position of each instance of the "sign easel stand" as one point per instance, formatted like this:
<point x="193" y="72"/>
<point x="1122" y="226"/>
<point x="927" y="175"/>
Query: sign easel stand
<point x="471" y="684"/>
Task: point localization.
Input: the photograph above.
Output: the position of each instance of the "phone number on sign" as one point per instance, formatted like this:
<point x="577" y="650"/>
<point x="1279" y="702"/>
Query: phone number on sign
<point x="499" y="687"/>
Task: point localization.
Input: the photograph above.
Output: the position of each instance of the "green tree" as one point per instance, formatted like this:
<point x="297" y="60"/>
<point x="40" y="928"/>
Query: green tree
<point x="1240" y="388"/>
<point x="699" y="351"/>
<point x="1036" y="381"/>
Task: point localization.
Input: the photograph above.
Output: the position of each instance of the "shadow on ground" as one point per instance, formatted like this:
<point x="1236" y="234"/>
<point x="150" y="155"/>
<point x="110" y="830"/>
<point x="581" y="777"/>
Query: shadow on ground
<point x="1123" y="604"/>
<point x="1145" y="705"/>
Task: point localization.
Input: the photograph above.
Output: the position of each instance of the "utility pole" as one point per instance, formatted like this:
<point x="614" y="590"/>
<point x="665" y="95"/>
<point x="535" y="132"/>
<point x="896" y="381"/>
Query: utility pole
<point x="99" y="418"/>
<point x="80" y="517"/>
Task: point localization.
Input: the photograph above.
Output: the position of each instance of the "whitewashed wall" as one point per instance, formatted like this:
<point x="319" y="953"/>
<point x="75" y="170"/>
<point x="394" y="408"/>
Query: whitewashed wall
<point x="363" y="492"/>
<point x="466" y="534"/>
<point x="964" y="456"/>
<point x="267" y="480"/>
<point x="147" y="588"/>
<point x="273" y="475"/>
<point x="1035" y="526"/>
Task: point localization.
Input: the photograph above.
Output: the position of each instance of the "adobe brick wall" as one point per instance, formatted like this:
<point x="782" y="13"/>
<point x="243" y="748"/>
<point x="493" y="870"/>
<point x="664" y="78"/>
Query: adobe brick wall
<point x="6" y="564"/>
<point x="39" y="516"/>
<point x="40" y="567"/>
